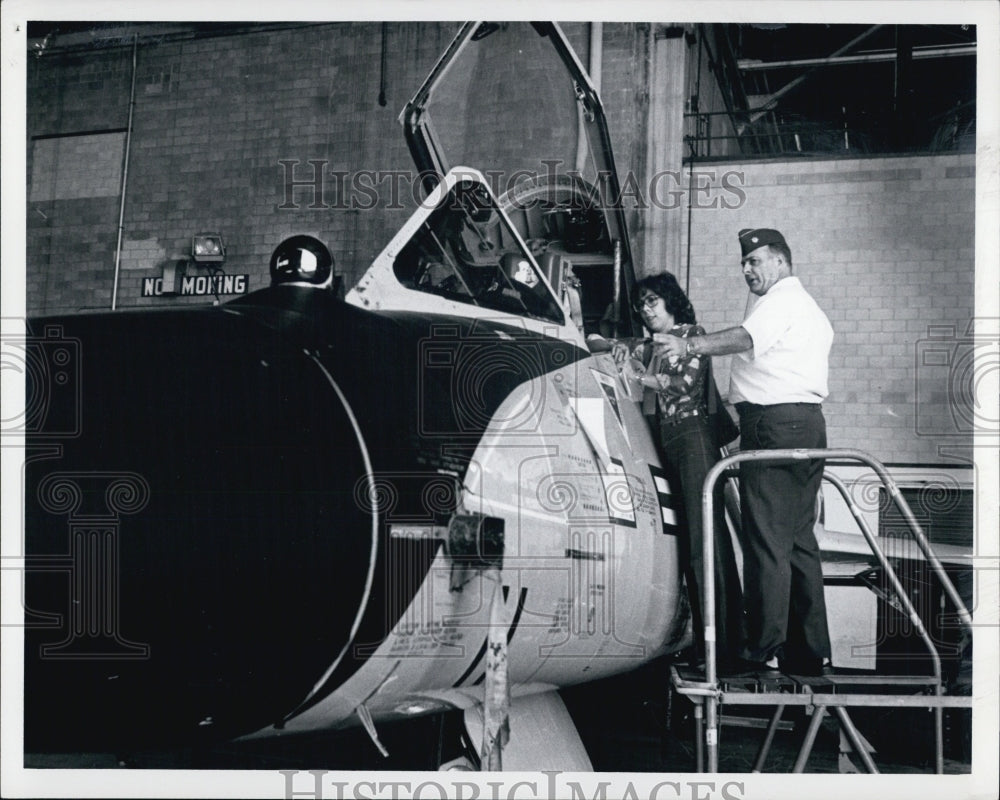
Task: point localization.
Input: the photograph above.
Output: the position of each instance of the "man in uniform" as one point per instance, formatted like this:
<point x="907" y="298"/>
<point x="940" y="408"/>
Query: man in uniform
<point x="778" y="381"/>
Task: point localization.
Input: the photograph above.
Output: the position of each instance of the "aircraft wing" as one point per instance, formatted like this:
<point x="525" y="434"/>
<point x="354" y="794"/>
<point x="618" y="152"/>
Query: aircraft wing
<point x="840" y="549"/>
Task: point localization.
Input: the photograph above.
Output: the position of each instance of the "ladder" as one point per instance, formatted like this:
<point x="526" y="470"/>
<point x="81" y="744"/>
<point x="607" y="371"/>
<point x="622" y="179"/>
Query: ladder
<point x="821" y="694"/>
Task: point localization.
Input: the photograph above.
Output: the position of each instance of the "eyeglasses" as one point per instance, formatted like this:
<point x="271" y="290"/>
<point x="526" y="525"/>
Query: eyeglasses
<point x="649" y="303"/>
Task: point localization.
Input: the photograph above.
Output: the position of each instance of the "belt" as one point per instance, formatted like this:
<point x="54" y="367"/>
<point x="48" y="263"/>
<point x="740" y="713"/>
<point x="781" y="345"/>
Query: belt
<point x="743" y="405"/>
<point x="680" y="416"/>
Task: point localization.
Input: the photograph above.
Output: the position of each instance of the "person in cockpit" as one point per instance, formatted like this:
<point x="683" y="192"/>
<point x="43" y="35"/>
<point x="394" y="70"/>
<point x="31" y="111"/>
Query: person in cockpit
<point x="572" y="297"/>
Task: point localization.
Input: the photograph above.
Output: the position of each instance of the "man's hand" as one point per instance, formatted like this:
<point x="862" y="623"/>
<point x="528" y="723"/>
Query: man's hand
<point x="620" y="353"/>
<point x="673" y="346"/>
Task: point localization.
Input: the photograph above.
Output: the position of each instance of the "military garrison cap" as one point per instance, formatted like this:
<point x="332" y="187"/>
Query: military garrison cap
<point x="752" y="238"/>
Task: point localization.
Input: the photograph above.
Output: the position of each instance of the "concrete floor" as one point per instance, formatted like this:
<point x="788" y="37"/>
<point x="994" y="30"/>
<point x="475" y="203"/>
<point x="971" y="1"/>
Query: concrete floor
<point x="629" y="723"/>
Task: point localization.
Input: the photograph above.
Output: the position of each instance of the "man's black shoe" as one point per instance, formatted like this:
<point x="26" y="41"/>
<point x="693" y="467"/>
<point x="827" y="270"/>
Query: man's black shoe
<point x="745" y="668"/>
<point x="807" y="667"/>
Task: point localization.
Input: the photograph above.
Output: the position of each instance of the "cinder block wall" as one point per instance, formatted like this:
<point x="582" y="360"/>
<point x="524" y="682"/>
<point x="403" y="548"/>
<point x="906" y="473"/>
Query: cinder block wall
<point x="885" y="245"/>
<point x="213" y="120"/>
<point x="220" y="125"/>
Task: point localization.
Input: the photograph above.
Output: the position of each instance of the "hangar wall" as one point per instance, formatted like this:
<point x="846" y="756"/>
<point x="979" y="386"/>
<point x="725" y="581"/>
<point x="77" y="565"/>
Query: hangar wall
<point x="214" y="118"/>
<point x="886" y="246"/>
<point x="221" y="125"/>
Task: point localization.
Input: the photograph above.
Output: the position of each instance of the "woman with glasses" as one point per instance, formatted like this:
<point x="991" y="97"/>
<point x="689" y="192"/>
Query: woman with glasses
<point x="681" y="389"/>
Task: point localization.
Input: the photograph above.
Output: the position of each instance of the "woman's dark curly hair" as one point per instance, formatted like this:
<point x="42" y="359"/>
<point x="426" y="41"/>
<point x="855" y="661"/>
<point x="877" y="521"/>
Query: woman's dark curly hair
<point x="665" y="285"/>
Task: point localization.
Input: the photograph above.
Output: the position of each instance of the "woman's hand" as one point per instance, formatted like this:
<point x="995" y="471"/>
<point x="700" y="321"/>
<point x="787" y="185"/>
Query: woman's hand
<point x="632" y="373"/>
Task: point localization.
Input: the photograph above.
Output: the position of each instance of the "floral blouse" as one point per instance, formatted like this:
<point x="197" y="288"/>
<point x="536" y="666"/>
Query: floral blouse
<point x="682" y="383"/>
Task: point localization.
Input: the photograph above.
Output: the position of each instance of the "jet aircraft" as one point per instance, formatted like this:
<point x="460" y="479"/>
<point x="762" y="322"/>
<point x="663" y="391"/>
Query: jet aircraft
<point x="291" y="512"/>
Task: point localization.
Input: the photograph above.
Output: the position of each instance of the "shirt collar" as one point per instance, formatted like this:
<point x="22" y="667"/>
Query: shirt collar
<point x="788" y="282"/>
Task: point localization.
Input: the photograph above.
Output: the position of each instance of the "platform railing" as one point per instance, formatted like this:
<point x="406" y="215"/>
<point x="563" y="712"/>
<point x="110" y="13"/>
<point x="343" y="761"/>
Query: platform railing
<point x="710" y="692"/>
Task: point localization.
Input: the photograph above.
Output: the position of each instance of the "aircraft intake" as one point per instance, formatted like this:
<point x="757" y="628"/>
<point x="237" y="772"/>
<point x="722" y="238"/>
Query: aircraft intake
<point x="197" y="555"/>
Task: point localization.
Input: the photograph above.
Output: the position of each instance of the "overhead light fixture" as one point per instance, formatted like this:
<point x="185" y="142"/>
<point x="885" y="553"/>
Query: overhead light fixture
<point x="208" y="248"/>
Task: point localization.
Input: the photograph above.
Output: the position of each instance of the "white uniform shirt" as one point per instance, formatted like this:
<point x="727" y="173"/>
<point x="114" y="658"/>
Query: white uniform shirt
<point x="789" y="361"/>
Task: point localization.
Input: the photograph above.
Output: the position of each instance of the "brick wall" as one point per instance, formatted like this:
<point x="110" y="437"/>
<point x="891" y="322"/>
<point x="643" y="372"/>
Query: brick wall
<point x="72" y="212"/>
<point x="885" y="245"/>
<point x="214" y="120"/>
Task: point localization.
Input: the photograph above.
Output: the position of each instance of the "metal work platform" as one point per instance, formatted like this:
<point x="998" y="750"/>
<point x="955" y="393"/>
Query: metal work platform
<point x="830" y="693"/>
<point x="819" y="696"/>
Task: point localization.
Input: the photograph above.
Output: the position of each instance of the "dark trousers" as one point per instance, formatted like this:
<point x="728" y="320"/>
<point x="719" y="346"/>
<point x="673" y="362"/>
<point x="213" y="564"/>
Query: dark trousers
<point x="782" y="570"/>
<point x="689" y="454"/>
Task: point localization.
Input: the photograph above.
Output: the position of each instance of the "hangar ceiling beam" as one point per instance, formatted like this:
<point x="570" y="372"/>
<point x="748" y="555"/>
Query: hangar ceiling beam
<point x="751" y="64"/>
<point x="773" y="99"/>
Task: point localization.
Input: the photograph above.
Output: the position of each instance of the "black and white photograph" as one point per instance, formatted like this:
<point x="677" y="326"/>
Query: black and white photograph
<point x="591" y="401"/>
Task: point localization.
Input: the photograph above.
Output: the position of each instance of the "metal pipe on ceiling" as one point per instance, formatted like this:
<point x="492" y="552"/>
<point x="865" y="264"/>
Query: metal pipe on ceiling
<point x="749" y="65"/>
<point x="773" y="101"/>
